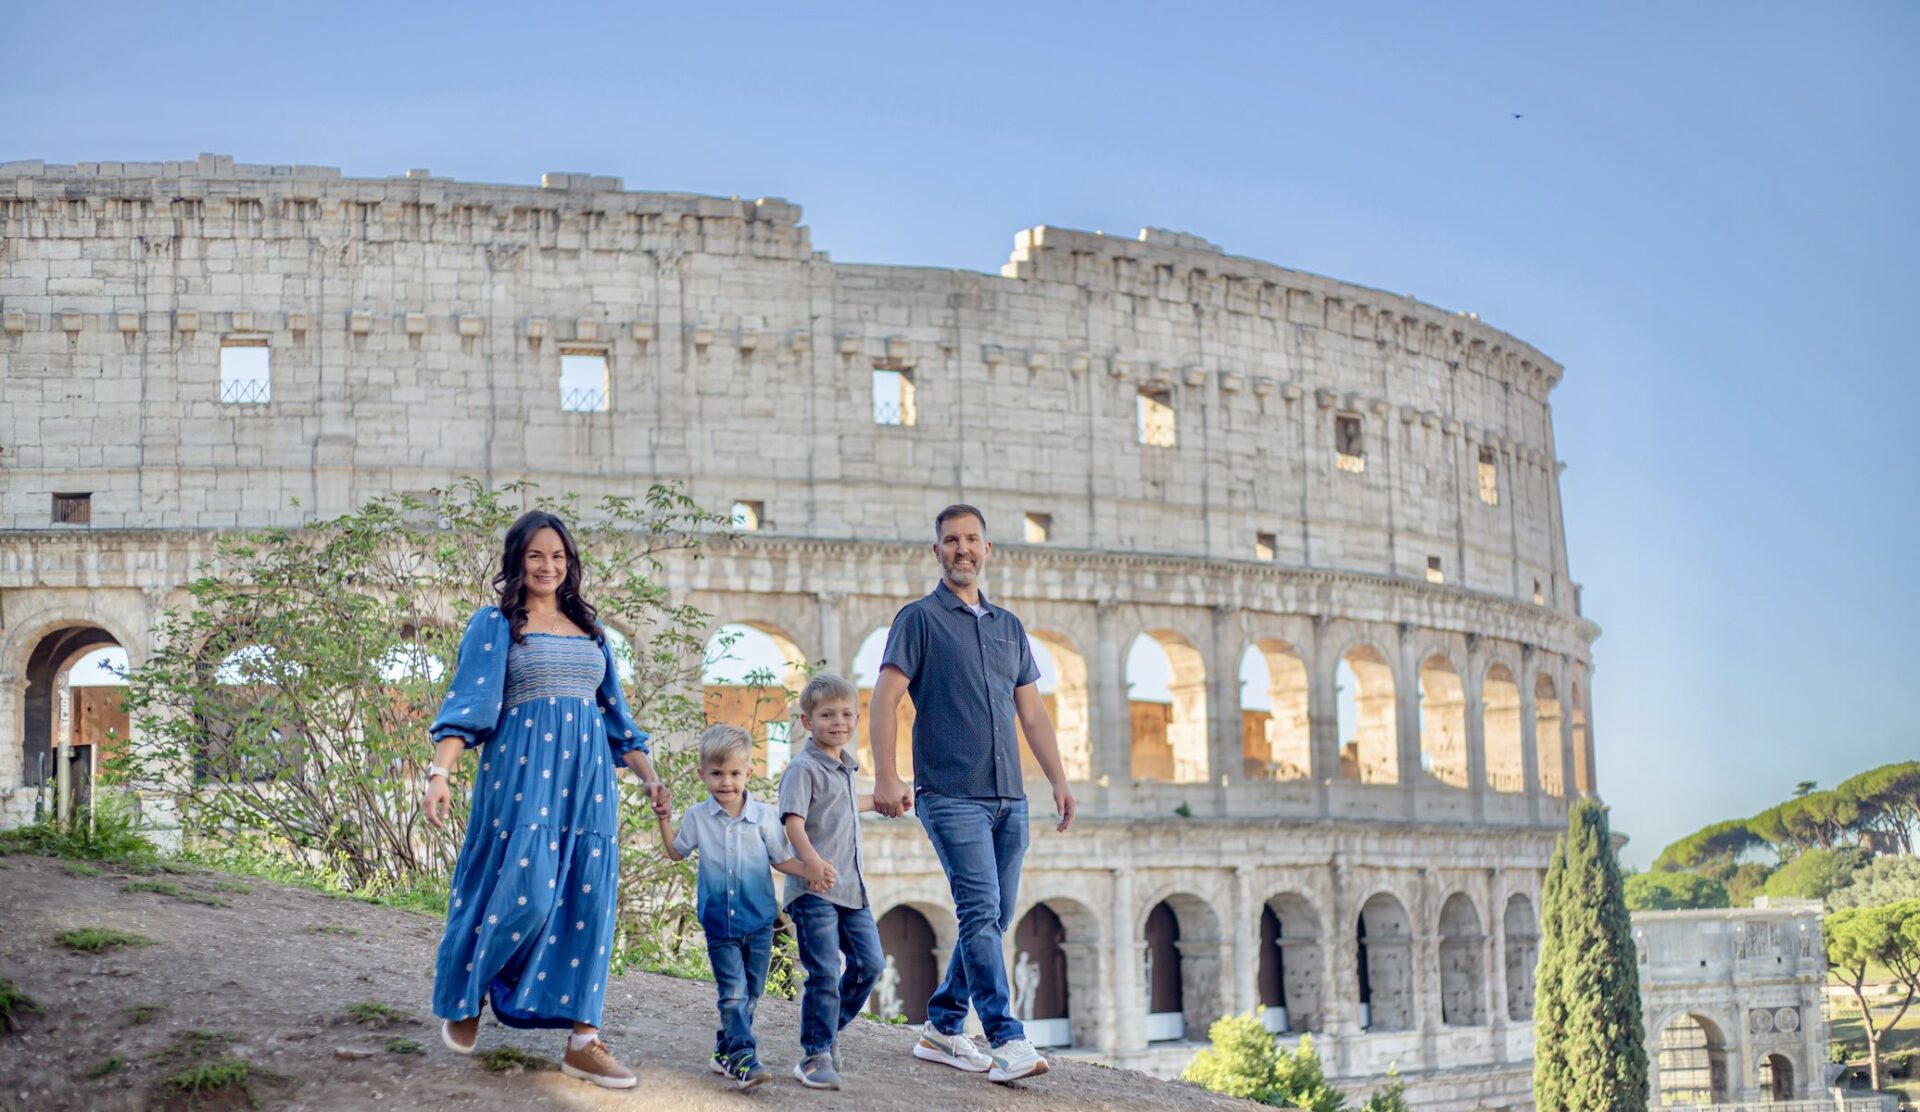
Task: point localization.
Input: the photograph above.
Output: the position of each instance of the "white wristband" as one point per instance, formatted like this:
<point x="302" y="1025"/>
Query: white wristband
<point x="435" y="770"/>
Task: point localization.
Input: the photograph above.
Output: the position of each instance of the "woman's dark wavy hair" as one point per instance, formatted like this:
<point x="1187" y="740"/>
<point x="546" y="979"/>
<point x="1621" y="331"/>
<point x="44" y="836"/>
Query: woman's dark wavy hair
<point x="511" y="579"/>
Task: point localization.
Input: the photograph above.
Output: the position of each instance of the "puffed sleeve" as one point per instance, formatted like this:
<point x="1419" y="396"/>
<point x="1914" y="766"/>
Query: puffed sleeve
<point x="472" y="707"/>
<point x="622" y="734"/>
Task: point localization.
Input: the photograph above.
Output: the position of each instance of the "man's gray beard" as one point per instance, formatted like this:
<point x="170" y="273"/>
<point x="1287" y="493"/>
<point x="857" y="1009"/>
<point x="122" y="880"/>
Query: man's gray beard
<point x="963" y="577"/>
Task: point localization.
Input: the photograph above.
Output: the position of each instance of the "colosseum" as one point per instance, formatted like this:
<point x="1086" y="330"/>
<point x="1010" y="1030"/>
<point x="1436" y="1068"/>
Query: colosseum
<point x="1326" y="517"/>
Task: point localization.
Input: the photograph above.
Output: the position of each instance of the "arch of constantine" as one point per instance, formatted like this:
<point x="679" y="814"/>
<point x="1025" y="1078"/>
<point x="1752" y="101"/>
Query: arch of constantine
<point x="1265" y="472"/>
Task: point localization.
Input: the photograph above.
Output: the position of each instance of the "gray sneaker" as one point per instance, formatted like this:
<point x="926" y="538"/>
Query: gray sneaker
<point x="817" y="1072"/>
<point x="833" y="1051"/>
<point x="957" y="1051"/>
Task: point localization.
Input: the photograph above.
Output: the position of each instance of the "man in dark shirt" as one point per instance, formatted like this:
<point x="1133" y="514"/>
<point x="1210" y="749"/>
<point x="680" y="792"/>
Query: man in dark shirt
<point x="970" y="670"/>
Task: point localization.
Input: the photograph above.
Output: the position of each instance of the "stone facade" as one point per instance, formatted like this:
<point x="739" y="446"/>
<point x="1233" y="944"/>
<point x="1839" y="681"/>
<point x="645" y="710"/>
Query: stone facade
<point x="1332" y="475"/>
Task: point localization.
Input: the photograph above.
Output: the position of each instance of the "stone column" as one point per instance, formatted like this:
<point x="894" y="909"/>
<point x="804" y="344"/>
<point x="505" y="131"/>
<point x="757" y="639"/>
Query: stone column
<point x="1406" y="707"/>
<point x="1426" y="966"/>
<point x="1496" y="949"/>
<point x="1323" y="719"/>
<point x="1476" y="712"/>
<point x="1128" y="1032"/>
<point x="1529" y="743"/>
<point x="828" y="641"/>
<point x="1112" y="729"/>
<point x="1563" y="689"/>
<point x="1243" y="935"/>
<point x="1224" y="764"/>
<point x="1090" y="1013"/>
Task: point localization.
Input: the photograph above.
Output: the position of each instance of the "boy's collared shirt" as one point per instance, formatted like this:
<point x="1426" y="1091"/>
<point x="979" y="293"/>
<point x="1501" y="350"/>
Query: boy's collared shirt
<point x="820" y="790"/>
<point x="734" y="896"/>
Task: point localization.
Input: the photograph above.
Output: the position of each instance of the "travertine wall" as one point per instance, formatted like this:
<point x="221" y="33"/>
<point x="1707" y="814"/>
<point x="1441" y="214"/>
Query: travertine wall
<point x="415" y="328"/>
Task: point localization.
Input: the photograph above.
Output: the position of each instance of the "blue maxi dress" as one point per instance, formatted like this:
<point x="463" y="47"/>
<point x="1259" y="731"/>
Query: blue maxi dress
<point x="531" y="919"/>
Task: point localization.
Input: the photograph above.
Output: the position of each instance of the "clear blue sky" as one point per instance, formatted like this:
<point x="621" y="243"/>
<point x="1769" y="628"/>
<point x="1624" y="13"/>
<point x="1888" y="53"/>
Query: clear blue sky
<point x="1708" y="214"/>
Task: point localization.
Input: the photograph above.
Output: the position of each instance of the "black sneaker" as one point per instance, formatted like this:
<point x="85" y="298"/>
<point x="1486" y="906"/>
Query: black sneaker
<point x="748" y="1073"/>
<point x="718" y="1063"/>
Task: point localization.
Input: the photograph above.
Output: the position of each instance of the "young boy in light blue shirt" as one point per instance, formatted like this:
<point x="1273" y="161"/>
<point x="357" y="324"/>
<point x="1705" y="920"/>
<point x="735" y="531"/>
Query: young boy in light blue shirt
<point x="739" y="840"/>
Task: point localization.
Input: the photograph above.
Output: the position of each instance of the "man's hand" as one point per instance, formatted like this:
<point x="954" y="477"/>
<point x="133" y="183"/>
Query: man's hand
<point x="892" y="797"/>
<point x="1063" y="805"/>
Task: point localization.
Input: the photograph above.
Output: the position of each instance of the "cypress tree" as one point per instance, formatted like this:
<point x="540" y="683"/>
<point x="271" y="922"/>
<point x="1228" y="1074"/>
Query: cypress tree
<point x="1590" y="1050"/>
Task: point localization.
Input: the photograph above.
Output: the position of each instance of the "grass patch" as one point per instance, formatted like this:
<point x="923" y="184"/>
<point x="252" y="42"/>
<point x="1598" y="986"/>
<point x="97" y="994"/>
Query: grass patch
<point x="15" y="1006"/>
<point x="400" y="1045"/>
<point x="107" y="832"/>
<point x="252" y="858"/>
<point x="372" y="1013"/>
<point x="196" y="1043"/>
<point x="102" y="1069"/>
<point x="333" y="928"/>
<point x="208" y="1078"/>
<point x="142" y="1013"/>
<point x="509" y="1059"/>
<point x="157" y="887"/>
<point x="94" y="940"/>
<point x="80" y="868"/>
<point x="232" y="886"/>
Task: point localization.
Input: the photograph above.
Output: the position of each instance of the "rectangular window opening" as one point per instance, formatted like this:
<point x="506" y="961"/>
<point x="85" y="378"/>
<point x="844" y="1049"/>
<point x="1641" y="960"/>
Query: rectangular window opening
<point x="246" y="371"/>
<point x="1154" y="414"/>
<point x="72" y="509"/>
<point x="1489" y="477"/>
<point x="1539" y="596"/>
<point x="747" y="516"/>
<point x="1350" y="452"/>
<point x="893" y="402"/>
<point x="1434" y="574"/>
<point x="1039" y="528"/>
<point x="1264" y="547"/>
<point x="583" y="381"/>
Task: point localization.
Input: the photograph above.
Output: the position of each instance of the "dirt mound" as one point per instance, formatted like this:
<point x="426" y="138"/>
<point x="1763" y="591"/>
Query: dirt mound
<point x="298" y="1000"/>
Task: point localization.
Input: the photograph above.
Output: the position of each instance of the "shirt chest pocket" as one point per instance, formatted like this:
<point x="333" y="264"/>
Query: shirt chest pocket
<point x="1003" y="659"/>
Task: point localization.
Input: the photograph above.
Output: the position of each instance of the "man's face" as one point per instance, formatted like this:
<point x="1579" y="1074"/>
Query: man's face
<point x="962" y="548"/>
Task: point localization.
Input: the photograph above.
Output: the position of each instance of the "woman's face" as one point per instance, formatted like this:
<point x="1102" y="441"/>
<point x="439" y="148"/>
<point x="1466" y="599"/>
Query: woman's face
<point x="546" y="564"/>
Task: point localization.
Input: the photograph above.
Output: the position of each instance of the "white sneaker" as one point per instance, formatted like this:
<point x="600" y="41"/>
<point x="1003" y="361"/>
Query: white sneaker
<point x="1015" y="1059"/>
<point x="957" y="1051"/>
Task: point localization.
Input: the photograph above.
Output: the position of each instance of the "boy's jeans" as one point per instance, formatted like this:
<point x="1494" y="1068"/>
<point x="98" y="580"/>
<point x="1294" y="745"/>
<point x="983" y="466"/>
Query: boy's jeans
<point x="740" y="974"/>
<point x="826" y="931"/>
<point x="980" y="843"/>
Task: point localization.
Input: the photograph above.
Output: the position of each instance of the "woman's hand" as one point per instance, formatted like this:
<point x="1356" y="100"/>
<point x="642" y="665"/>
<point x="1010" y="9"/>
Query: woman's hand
<point x="437" y="802"/>
<point x="660" y="797"/>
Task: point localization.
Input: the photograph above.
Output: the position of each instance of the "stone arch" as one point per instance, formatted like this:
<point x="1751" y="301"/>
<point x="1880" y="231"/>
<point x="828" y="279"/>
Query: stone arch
<point x="1276" y="742"/>
<point x="864" y="670"/>
<point x="1692" y="1060"/>
<point x="1443" y="722"/>
<point x="1183" y="999"/>
<point x="1065" y="690"/>
<point x="1583" y="781"/>
<point x="92" y="721"/>
<point x="1506" y="747"/>
<point x="1546" y="735"/>
<point x="1291" y="964"/>
<point x="1370" y="741"/>
<point x="1775" y="1077"/>
<point x="1463" y="972"/>
<point x="1521" y="930"/>
<point x="1169" y="739"/>
<point x="750" y="676"/>
<point x="914" y="960"/>
<point x="1073" y="980"/>
<point x="1385" y="964"/>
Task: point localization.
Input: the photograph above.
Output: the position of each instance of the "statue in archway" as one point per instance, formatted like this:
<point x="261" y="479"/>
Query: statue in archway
<point x="1026" y="985"/>
<point x="886" y="992"/>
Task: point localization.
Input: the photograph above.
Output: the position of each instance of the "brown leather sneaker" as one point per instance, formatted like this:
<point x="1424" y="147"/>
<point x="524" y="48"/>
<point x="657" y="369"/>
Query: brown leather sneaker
<point x="595" y="1062"/>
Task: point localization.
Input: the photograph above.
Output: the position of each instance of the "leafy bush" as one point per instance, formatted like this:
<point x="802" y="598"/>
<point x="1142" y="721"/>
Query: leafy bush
<point x="1673" y="892"/>
<point x="1244" y="1061"/>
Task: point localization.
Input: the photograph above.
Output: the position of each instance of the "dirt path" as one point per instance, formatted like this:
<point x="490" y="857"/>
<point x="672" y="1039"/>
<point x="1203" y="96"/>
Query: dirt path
<point x="277" y="969"/>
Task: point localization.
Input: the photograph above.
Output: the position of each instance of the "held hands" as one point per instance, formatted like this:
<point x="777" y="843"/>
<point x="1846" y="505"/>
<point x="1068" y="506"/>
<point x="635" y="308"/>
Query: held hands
<point x="437" y="803"/>
<point x="820" y="875"/>
<point x="892" y="797"/>
<point x="660" y="798"/>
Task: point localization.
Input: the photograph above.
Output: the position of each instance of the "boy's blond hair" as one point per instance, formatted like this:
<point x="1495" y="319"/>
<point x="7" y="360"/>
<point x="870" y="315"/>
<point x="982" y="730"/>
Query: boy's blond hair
<point x="722" y="742"/>
<point x="826" y="686"/>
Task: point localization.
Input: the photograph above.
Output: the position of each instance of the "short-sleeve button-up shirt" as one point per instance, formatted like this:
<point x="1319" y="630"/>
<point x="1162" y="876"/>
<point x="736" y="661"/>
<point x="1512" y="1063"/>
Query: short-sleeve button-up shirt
<point x="734" y="893"/>
<point x="820" y="789"/>
<point x="962" y="668"/>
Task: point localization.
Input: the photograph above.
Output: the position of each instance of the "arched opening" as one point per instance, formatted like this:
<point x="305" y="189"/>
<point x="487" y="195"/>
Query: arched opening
<point x="750" y="676"/>
<point x="1290" y="963"/>
<point x="1582" y="744"/>
<point x="1776" y="1078"/>
<point x="866" y="673"/>
<point x="1546" y="736"/>
<point x="1506" y="752"/>
<point x="1166" y="995"/>
<point x="1463" y="972"/>
<point x="913" y="965"/>
<point x="1056" y="969"/>
<point x="75" y="717"/>
<point x="1385" y="965"/>
<point x="1167" y="697"/>
<point x="1522" y="930"/>
<point x="1274" y="740"/>
<point x="1692" y="1062"/>
<point x="1443" y="722"/>
<point x="1042" y="995"/>
<point x="1369" y="746"/>
<point x="1063" y="688"/>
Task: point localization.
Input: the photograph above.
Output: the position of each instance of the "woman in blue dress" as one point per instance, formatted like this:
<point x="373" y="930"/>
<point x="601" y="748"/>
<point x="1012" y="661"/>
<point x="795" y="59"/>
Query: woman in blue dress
<point x="531" y="919"/>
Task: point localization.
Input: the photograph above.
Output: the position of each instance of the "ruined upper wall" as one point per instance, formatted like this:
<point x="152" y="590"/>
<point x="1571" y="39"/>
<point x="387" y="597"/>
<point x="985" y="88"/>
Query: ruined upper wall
<point x="416" y="326"/>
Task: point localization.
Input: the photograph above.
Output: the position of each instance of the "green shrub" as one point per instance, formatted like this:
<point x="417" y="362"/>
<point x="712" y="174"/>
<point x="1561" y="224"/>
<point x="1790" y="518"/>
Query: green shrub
<point x="1244" y="1061"/>
<point x="93" y="940"/>
<point x="15" y="1006"/>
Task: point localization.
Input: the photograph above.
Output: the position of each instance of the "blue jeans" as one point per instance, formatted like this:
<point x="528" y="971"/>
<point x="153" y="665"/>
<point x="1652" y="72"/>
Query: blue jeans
<point x="980" y="843"/>
<point x="740" y="975"/>
<point x="826" y="931"/>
